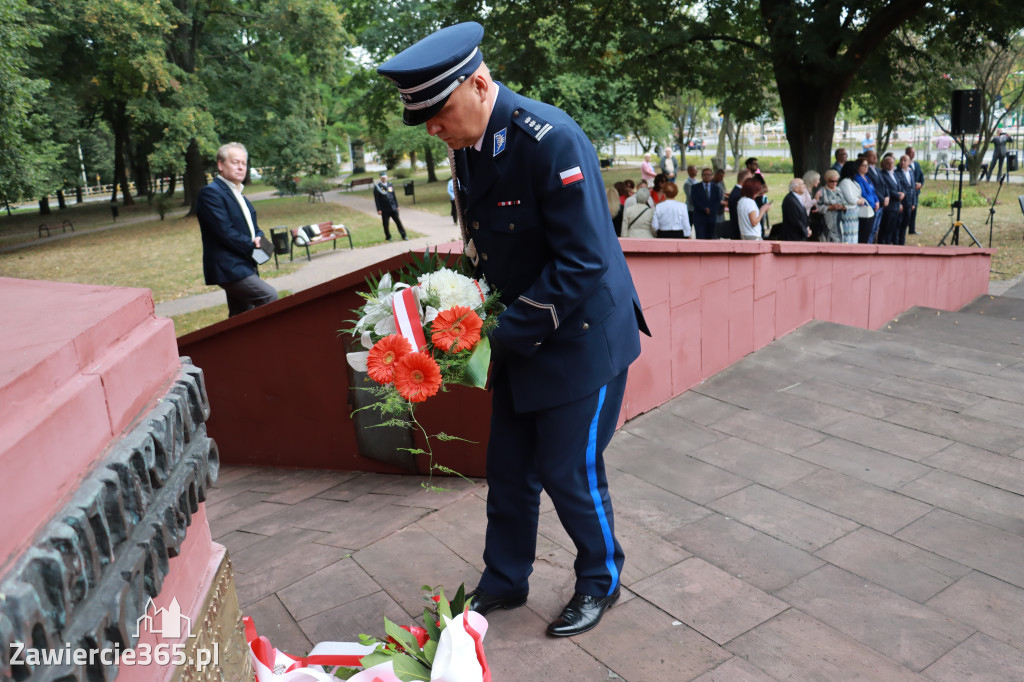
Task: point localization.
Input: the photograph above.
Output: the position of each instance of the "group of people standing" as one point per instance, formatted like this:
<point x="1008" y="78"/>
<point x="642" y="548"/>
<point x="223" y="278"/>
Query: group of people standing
<point x="862" y="200"/>
<point x="707" y="209"/>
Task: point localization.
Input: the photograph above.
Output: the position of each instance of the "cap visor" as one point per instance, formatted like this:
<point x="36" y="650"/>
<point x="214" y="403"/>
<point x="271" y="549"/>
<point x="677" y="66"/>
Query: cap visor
<point x="415" y="117"/>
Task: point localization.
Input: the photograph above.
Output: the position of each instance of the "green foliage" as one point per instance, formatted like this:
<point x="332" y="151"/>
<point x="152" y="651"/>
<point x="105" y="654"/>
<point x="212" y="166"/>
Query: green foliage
<point x="775" y="164"/>
<point x="971" y="199"/>
<point x="27" y="157"/>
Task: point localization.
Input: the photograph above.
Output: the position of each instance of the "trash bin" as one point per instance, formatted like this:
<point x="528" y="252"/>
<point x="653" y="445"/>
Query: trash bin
<point x="410" y="191"/>
<point x="280" y="240"/>
<point x="1011" y="162"/>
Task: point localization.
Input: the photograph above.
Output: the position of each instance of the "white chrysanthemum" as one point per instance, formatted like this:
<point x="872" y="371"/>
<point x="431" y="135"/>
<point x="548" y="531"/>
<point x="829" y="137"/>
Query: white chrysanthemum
<point x="453" y="289"/>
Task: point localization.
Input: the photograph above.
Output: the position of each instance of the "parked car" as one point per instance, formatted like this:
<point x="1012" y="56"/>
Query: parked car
<point x="695" y="145"/>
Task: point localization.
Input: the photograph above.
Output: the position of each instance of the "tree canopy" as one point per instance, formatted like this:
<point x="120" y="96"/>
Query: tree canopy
<point x="146" y="89"/>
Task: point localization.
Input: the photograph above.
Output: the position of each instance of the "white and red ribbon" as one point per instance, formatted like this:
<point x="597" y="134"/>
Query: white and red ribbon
<point x="407" y="317"/>
<point x="459" y="656"/>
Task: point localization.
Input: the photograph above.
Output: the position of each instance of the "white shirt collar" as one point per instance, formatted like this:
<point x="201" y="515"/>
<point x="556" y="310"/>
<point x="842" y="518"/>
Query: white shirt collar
<point x="235" y="188"/>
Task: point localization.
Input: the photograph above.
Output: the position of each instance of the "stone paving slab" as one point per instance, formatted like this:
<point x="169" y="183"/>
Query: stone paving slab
<point x="842" y="504"/>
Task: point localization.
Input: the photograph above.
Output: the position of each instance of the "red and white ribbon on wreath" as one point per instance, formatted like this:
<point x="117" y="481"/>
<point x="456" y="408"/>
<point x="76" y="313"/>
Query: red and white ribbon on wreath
<point x="273" y="665"/>
<point x="407" y="317"/>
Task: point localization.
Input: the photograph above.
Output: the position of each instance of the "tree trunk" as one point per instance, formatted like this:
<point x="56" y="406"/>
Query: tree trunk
<point x="412" y="162"/>
<point x="78" y="195"/>
<point x="172" y="182"/>
<point x="720" y="158"/>
<point x="120" y="126"/>
<point x="194" y="178"/>
<point x="810" y="114"/>
<point x="61" y="203"/>
<point x="44" y="206"/>
<point x="140" y="173"/>
<point x="428" y="158"/>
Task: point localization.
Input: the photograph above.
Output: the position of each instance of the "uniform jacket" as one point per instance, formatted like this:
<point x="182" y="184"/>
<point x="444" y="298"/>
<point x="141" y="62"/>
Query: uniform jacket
<point x="537" y="212"/>
<point x="384" y="197"/>
<point x="227" y="243"/>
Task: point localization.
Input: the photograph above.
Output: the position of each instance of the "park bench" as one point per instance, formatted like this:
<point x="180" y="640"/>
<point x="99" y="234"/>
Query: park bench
<point x="311" y="235"/>
<point x="63" y="225"/>
<point x="315" y="195"/>
<point x="352" y="184"/>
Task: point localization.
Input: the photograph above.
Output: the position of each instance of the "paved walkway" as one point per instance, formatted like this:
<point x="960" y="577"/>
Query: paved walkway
<point x="842" y="504"/>
<point x="326" y="265"/>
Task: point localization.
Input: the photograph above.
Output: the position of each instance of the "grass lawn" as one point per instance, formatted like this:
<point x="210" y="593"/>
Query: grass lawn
<point x="166" y="256"/>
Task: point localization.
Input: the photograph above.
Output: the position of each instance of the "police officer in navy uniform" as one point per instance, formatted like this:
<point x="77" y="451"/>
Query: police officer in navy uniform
<point x="536" y="217"/>
<point x="387" y="205"/>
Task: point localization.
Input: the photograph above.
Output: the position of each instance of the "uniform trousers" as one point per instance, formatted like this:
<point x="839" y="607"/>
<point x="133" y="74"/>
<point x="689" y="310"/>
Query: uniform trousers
<point x="386" y="216"/>
<point x="247" y="293"/>
<point x="561" y="450"/>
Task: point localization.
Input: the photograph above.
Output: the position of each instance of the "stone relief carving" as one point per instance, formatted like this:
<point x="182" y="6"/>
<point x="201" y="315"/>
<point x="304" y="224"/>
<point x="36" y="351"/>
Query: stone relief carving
<point x="90" y="572"/>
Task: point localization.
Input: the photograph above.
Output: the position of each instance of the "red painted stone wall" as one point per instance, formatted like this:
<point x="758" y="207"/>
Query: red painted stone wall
<point x="708" y="304"/>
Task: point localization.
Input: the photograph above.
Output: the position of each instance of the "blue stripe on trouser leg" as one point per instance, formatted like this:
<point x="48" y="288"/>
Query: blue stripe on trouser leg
<point x="606" y="529"/>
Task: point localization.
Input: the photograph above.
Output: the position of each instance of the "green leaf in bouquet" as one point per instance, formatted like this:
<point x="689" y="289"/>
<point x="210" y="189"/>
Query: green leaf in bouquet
<point x="409" y="669"/>
<point x="403" y="637"/>
<point x="430" y="623"/>
<point x="459" y="602"/>
<point x="476" y="369"/>
<point x="430" y="649"/>
<point x="345" y="673"/>
<point x="443" y="609"/>
<point x="375" y="658"/>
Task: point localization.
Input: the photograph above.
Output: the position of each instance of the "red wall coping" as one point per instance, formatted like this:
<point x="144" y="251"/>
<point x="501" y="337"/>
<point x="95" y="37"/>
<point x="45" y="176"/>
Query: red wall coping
<point x="708" y="303"/>
<point x="78" y="364"/>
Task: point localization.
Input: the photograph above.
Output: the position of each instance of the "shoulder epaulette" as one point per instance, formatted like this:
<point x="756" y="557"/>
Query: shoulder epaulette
<point x="536" y="127"/>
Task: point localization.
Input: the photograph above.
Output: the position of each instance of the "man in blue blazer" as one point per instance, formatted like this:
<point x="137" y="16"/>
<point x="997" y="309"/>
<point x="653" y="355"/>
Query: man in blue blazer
<point x="707" y="199"/>
<point x="536" y="216"/>
<point x="227" y="221"/>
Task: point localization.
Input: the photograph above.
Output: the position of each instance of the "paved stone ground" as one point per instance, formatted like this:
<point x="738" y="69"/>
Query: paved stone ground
<point x="842" y="504"/>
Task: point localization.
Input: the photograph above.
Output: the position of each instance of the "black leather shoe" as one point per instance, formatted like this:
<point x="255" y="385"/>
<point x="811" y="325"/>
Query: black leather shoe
<point x="404" y="238"/>
<point x="582" y="613"/>
<point x="484" y="603"/>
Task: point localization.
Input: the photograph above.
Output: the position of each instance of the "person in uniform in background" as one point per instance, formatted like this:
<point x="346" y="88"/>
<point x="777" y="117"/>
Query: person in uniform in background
<point x="535" y="211"/>
<point x="387" y="205"/>
<point x="227" y="222"/>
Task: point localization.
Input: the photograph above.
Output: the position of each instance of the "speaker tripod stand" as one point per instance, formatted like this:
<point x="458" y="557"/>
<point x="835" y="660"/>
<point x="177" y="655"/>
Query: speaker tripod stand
<point x="954" y="229"/>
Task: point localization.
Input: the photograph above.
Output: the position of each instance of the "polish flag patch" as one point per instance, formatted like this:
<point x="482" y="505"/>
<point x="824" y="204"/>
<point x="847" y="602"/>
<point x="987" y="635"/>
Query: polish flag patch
<point x="570" y="176"/>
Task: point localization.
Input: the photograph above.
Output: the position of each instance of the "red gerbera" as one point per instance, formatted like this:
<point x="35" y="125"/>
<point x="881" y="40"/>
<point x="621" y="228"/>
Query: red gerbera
<point x="456" y="329"/>
<point x="385" y="354"/>
<point x="417" y="377"/>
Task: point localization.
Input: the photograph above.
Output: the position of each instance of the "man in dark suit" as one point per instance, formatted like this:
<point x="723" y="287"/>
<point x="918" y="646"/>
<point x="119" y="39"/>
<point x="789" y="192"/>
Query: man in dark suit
<point x="707" y="197"/>
<point x="918" y="173"/>
<point x="734" y="198"/>
<point x="891" y="196"/>
<point x="536" y="221"/>
<point x="841" y="156"/>
<point x="875" y="176"/>
<point x="227" y="221"/>
<point x="387" y="206"/>
<point x="794" y="216"/>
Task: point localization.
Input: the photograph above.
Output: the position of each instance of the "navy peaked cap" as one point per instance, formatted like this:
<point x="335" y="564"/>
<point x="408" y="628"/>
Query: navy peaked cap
<point x="428" y="72"/>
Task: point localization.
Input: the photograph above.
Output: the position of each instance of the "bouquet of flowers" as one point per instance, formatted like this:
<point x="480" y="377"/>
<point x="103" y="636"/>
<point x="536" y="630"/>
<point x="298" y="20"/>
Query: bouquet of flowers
<point x="424" y="329"/>
<point x="448" y="649"/>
